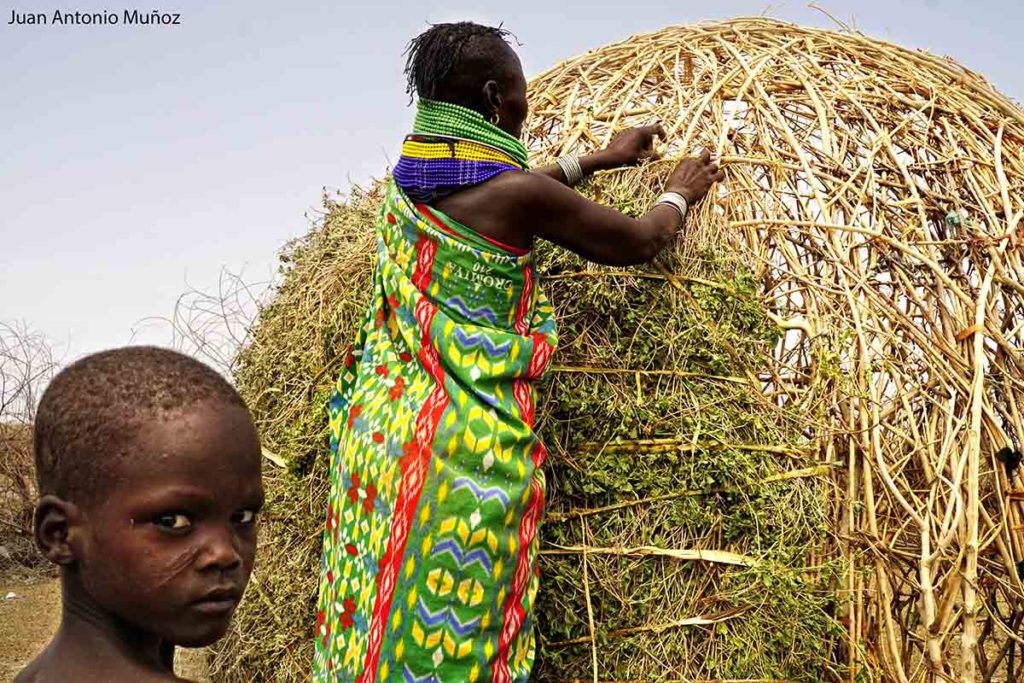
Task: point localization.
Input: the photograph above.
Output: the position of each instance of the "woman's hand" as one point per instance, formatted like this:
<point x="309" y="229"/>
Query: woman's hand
<point x="692" y="178"/>
<point x="628" y="148"/>
<point x="542" y="205"/>
<point x="632" y="146"/>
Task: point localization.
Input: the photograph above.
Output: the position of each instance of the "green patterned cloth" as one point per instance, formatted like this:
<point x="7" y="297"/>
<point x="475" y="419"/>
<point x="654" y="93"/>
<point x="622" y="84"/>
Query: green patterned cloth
<point x="429" y="567"/>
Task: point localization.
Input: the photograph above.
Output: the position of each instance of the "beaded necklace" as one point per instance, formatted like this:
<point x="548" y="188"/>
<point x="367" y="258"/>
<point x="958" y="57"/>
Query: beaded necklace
<point x="453" y="148"/>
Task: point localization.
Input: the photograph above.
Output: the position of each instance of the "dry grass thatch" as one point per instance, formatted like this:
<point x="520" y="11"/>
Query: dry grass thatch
<point x="853" y="465"/>
<point x="286" y="373"/>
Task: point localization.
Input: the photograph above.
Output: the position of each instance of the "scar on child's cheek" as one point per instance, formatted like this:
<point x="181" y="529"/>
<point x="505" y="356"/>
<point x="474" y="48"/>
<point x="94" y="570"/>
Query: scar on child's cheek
<point x="177" y="565"/>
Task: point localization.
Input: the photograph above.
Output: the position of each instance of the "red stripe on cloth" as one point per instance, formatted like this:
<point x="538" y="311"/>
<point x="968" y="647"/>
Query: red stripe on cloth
<point x="514" y="612"/>
<point x="522" y="325"/>
<point x="524" y="400"/>
<point x="426" y="250"/>
<point x="415" y="464"/>
<point x="542" y="352"/>
<point x="425" y="210"/>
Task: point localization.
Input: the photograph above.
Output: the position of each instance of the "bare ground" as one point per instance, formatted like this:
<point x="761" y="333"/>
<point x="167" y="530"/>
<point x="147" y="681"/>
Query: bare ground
<point x="26" y="622"/>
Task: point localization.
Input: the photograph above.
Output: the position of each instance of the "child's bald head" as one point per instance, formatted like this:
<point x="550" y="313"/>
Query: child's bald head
<point x="92" y="411"/>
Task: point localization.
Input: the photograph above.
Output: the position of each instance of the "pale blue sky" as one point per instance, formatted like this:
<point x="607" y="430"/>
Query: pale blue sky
<point x="136" y="159"/>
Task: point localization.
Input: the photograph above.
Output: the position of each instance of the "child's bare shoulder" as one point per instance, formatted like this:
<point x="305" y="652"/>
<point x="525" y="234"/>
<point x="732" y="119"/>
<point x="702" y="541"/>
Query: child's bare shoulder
<point x="26" y="677"/>
<point x="41" y="671"/>
<point x="35" y="672"/>
<point x="163" y="678"/>
<point x="30" y="675"/>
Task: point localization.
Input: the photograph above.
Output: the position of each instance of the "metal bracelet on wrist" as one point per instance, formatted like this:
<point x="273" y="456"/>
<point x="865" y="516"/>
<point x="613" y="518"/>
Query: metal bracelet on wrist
<point x="571" y="169"/>
<point x="677" y="202"/>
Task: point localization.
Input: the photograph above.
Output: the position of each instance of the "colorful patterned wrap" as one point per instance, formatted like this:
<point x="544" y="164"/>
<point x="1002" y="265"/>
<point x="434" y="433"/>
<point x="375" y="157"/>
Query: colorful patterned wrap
<point x="429" y="567"/>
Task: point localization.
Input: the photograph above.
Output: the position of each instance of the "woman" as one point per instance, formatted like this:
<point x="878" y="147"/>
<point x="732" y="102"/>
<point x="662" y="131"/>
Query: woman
<point x="429" y="565"/>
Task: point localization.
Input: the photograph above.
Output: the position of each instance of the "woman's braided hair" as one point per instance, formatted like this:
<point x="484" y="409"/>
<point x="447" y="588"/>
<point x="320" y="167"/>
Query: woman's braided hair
<point x="451" y="62"/>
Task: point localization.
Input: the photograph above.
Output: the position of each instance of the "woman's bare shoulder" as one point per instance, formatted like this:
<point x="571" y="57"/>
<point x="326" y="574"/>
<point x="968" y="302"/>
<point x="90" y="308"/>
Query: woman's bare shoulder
<point x="521" y="194"/>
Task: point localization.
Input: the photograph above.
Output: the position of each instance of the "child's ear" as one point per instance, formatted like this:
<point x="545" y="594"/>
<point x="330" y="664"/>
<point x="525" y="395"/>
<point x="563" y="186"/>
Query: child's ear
<point x="54" y="520"/>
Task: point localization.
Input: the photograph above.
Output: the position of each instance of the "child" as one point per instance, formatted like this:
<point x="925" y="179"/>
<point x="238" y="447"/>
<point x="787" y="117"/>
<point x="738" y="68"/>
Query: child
<point x="149" y="480"/>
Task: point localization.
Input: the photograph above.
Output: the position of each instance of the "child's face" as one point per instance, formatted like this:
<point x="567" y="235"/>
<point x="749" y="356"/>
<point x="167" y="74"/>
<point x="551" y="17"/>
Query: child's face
<point x="170" y="547"/>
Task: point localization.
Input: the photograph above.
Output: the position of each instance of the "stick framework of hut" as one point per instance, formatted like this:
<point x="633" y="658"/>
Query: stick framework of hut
<point x="789" y="448"/>
<point x="877" y="193"/>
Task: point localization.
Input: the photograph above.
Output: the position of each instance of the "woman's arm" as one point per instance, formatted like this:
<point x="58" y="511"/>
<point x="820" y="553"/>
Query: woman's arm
<point x="599" y="233"/>
<point x="628" y="148"/>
